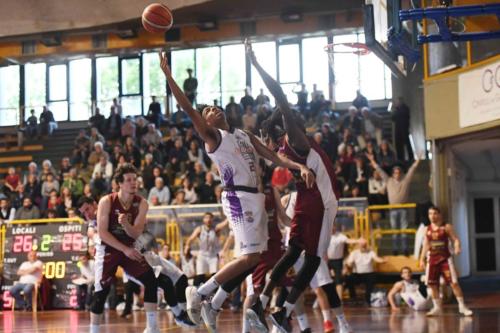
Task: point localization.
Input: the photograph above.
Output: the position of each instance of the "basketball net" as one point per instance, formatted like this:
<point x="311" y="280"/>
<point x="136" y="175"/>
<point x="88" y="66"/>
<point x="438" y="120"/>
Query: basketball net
<point x="358" y="49"/>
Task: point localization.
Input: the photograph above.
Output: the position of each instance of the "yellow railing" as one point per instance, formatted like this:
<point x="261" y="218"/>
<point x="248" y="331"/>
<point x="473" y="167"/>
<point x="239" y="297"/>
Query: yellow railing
<point x="367" y="226"/>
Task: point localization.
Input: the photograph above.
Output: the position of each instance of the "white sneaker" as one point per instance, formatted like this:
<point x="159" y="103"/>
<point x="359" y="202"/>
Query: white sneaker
<point x="151" y="330"/>
<point x="193" y="304"/>
<point x="345" y="328"/>
<point x="465" y="311"/>
<point x="209" y="316"/>
<point x="434" y="312"/>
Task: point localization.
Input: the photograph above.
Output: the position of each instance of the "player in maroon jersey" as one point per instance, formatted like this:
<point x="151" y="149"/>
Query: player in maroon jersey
<point x="439" y="261"/>
<point x="121" y="217"/>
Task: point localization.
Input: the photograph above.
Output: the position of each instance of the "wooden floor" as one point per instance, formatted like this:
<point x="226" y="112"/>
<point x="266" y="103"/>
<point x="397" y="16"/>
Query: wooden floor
<point x="485" y="320"/>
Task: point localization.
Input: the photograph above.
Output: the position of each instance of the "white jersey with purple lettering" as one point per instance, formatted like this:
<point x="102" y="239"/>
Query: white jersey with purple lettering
<point x="243" y="205"/>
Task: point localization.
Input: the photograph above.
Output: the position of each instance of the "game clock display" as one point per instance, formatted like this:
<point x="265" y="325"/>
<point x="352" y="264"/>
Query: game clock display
<point x="58" y="245"/>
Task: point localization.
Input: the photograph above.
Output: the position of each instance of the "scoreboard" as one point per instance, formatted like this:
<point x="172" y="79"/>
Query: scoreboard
<point x="58" y="245"/>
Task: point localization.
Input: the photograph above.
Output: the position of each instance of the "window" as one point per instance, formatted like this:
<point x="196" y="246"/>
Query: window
<point x="346" y="71"/>
<point x="208" y="75"/>
<point x="375" y="77"/>
<point x="233" y="71"/>
<point x="107" y="83"/>
<point x="58" y="91"/>
<point x="289" y="67"/>
<point x="9" y="95"/>
<point x="266" y="55"/>
<point x="131" y="99"/>
<point x="182" y="61"/>
<point x="315" y="64"/>
<point x="34" y="91"/>
<point x="154" y="81"/>
<point x="80" y="72"/>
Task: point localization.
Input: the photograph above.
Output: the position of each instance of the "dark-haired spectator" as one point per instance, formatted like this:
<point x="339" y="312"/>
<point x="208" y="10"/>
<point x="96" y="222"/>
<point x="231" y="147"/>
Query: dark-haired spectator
<point x="190" y="135"/>
<point x="154" y="112"/>
<point x="179" y="199"/>
<point x="140" y="188"/>
<point x="115" y="154"/>
<point x="153" y="136"/>
<point x="263" y="112"/>
<point x="233" y="113"/>
<point x="179" y="117"/>
<point x="17" y="198"/>
<point x="159" y="172"/>
<point x="96" y="154"/>
<point x="347" y="139"/>
<point x="206" y="191"/>
<point x="47" y="122"/>
<point x="331" y="141"/>
<point x="55" y="203"/>
<point x="190" y="86"/>
<point x="377" y="189"/>
<point x="247" y="99"/>
<point x="249" y="119"/>
<point x="7" y="212"/>
<point x="73" y="183"/>
<point x="262" y="98"/>
<point x="359" y="176"/>
<point x="128" y="128"/>
<point x="169" y="143"/>
<point x="64" y="169"/>
<point x="401" y="119"/>
<point x="27" y="211"/>
<point x="177" y="158"/>
<point x="347" y="161"/>
<point x="302" y="96"/>
<point x="155" y="152"/>
<point x="50" y="184"/>
<point x="141" y="128"/>
<point x="82" y="148"/>
<point x="32" y="125"/>
<point x="114" y="123"/>
<point x="147" y="171"/>
<point x="68" y="200"/>
<point x="353" y="122"/>
<point x="360" y="101"/>
<point x="160" y="191"/>
<point x="98" y="121"/>
<point x="132" y="152"/>
<point x="189" y="191"/>
<point x="372" y="124"/>
<point x="386" y="157"/>
<point x="197" y="174"/>
<point x="195" y="155"/>
<point x="100" y="186"/>
<point x="118" y="106"/>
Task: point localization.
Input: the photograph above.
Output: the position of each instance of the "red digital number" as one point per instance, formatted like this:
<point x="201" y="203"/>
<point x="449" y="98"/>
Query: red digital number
<point x="18" y="244"/>
<point x="28" y="243"/>
<point x="73" y="299"/>
<point x="77" y="242"/>
<point x="67" y="240"/>
<point x="7" y="300"/>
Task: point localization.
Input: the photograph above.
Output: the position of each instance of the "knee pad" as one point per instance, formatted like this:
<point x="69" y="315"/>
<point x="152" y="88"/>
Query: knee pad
<point x="333" y="297"/>
<point x="306" y="273"/>
<point x="150" y="283"/>
<point x="287" y="261"/>
<point x="98" y="301"/>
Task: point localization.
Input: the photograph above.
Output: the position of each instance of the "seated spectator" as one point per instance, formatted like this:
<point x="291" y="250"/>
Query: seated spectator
<point x="74" y="183"/>
<point x="95" y="155"/>
<point x="189" y="191"/>
<point x="359" y="176"/>
<point x="197" y="175"/>
<point x="32" y="125"/>
<point x="153" y="136"/>
<point x="160" y="191"/>
<point x="100" y="186"/>
<point x="347" y="139"/>
<point x="157" y="153"/>
<point x="47" y="122"/>
<point x="147" y="171"/>
<point x="68" y="200"/>
<point x="169" y="143"/>
<point x="114" y="124"/>
<point x="51" y="214"/>
<point x="105" y="168"/>
<point x="50" y="184"/>
<point x="64" y="169"/>
<point x="98" y="121"/>
<point x="7" y="213"/>
<point x="28" y="211"/>
<point x="46" y="169"/>
<point x="262" y="98"/>
<point x="372" y="124"/>
<point x="180" y="198"/>
<point x="81" y="150"/>
<point x="377" y="189"/>
<point x="17" y="197"/>
<point x="95" y="136"/>
<point x="128" y="128"/>
<point x="55" y="203"/>
<point x="154" y="201"/>
<point x="195" y="155"/>
<point x="206" y="191"/>
<point x="413" y="293"/>
<point x="115" y="154"/>
<point x="386" y="157"/>
<point x="132" y="152"/>
<point x="354" y="122"/>
<point x="347" y="161"/>
<point x="12" y="180"/>
<point x="141" y="128"/>
<point x="249" y="119"/>
<point x="361" y="262"/>
<point x="330" y="141"/>
<point x="140" y="188"/>
<point x="85" y="281"/>
<point x="32" y="170"/>
<point x="179" y="117"/>
<point x="177" y="158"/>
<point x="87" y="192"/>
<point x="263" y="112"/>
<point x="30" y="274"/>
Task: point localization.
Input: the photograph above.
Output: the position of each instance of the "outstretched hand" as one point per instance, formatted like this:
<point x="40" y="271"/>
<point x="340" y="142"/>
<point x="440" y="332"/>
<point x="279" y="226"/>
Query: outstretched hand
<point x="249" y="51"/>
<point x="308" y="176"/>
<point x="164" y="63"/>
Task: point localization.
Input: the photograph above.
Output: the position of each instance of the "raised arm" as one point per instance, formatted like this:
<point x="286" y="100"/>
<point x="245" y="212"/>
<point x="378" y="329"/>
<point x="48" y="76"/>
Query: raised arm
<point x="282" y="161"/>
<point x="377" y="167"/>
<point x="206" y="132"/>
<point x="194" y="235"/>
<point x="221" y="226"/>
<point x="296" y="137"/>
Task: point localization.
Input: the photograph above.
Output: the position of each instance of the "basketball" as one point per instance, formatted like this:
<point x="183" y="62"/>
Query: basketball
<point x="157" y="18"/>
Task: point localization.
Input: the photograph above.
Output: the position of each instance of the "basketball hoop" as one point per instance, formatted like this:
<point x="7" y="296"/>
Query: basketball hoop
<point x="359" y="49"/>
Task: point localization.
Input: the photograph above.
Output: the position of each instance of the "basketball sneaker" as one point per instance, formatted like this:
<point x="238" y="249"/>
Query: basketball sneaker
<point x="209" y="316"/>
<point x="255" y="315"/>
<point x="465" y="311"/>
<point x="435" y="311"/>
<point x="193" y="304"/>
<point x="281" y="321"/>
<point x="328" y="326"/>
<point x="345" y="328"/>
<point x="183" y="320"/>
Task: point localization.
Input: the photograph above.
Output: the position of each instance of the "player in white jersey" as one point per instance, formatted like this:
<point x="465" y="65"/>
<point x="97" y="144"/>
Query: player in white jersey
<point x="207" y="259"/>
<point x="409" y="291"/>
<point x="235" y="154"/>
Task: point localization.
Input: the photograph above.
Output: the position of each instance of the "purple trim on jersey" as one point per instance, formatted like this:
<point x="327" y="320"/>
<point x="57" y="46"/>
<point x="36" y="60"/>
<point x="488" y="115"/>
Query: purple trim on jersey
<point x="234" y="202"/>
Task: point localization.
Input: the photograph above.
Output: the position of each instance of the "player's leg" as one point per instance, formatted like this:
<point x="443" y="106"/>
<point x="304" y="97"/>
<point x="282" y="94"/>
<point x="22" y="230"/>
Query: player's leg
<point x="450" y="275"/>
<point x="432" y="274"/>
<point x="180" y="316"/>
<point x="148" y="279"/>
<point x="253" y="312"/>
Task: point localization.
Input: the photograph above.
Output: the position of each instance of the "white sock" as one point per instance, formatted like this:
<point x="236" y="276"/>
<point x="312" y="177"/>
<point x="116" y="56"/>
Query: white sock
<point x="437" y="303"/>
<point x="176" y="310"/>
<point x="182" y="306"/>
<point x="246" y="326"/>
<point x="151" y="319"/>
<point x="303" y="322"/>
<point x="219" y="298"/>
<point x="461" y="302"/>
<point x="327" y="315"/>
<point x="289" y="308"/>
<point x="208" y="287"/>
<point x="339" y="313"/>
<point x="94" y="328"/>
<point x="264" y="300"/>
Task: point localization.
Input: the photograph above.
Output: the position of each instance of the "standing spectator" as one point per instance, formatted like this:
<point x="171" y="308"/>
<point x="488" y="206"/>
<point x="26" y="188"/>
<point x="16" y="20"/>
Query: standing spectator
<point x="32" y="125"/>
<point x="47" y="122"/>
<point x="7" y="212"/>
<point x="118" y="107"/>
<point x="401" y="119"/>
<point x="190" y="86"/>
<point x="28" y="211"/>
<point x="247" y="99"/>
<point x="153" y="136"/>
<point x="377" y="189"/>
<point x="160" y="191"/>
<point x="98" y="121"/>
<point x="249" y="119"/>
<point x="50" y="184"/>
<point x="154" y="112"/>
<point x="361" y="262"/>
<point x="372" y="124"/>
<point x="74" y="183"/>
<point x="316" y="94"/>
<point x="302" y="99"/>
<point x="262" y="98"/>
<point x="30" y="273"/>
<point x="360" y="101"/>
<point x="114" y="123"/>
<point x="398" y="191"/>
<point x="233" y="113"/>
<point x="128" y="128"/>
